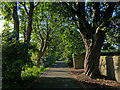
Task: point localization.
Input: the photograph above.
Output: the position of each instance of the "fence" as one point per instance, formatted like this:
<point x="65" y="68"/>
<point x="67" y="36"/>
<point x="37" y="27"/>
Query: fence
<point x="78" y="61"/>
<point x="109" y="64"/>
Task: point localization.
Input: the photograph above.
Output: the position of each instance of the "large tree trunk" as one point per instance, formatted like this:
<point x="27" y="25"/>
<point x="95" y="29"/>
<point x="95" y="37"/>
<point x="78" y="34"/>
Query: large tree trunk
<point x="93" y="48"/>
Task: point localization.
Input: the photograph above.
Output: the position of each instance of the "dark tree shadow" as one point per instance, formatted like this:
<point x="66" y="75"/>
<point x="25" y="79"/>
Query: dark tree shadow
<point x="55" y="82"/>
<point x="58" y="82"/>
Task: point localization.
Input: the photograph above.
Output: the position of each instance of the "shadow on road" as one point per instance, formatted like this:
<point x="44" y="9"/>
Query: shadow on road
<point x="55" y="82"/>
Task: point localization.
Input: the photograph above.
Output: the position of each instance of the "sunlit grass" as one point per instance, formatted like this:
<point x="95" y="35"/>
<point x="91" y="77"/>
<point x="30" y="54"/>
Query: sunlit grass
<point x="31" y="73"/>
<point x="34" y="71"/>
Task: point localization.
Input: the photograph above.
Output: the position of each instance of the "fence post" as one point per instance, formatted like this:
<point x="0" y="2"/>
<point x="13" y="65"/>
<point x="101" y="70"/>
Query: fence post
<point x="116" y="60"/>
<point x="78" y="61"/>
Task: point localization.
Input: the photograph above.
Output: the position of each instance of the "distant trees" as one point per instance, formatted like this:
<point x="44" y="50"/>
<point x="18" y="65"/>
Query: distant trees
<point x="71" y="42"/>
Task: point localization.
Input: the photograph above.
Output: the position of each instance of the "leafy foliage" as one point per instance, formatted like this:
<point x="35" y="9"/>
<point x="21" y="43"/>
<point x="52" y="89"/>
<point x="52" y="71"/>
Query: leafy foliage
<point x="63" y="42"/>
<point x="15" y="57"/>
<point x="32" y="72"/>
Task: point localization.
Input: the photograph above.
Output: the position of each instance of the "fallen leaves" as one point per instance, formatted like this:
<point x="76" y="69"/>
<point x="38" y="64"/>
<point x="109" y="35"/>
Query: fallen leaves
<point x="79" y="75"/>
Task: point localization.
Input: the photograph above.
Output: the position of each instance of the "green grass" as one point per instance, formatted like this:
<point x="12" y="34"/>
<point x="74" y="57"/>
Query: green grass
<point x="30" y="74"/>
<point x="34" y="71"/>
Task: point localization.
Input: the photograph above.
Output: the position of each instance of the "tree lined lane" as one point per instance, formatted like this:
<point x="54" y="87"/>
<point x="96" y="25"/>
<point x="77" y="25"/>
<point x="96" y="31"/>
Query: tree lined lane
<point x="56" y="77"/>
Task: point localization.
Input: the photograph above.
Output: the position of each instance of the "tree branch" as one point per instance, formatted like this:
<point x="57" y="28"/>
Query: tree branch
<point x="110" y="19"/>
<point x="24" y="7"/>
<point x="96" y="14"/>
<point x="42" y="39"/>
<point x="113" y="18"/>
<point x="42" y="42"/>
<point x="86" y="29"/>
<point x="107" y="16"/>
<point x="71" y="9"/>
<point x="46" y="41"/>
<point x="109" y="9"/>
<point x="36" y="4"/>
<point x="115" y="24"/>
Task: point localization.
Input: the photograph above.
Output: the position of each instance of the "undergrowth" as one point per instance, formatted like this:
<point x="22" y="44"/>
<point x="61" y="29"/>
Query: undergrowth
<point x="30" y="74"/>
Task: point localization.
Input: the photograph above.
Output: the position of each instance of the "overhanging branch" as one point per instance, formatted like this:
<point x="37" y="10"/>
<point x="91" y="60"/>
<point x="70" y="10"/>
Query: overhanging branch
<point x="24" y="7"/>
<point x="110" y="19"/>
<point x="115" y="24"/>
<point x="36" y="4"/>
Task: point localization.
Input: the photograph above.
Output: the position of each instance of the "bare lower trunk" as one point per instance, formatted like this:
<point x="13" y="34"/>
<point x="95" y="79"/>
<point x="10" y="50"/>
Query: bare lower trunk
<point x="91" y="63"/>
<point x="17" y="75"/>
<point x="38" y="63"/>
<point x="39" y="57"/>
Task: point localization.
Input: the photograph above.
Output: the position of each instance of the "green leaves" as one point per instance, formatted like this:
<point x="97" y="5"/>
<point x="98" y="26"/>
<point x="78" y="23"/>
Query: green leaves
<point x="34" y="71"/>
<point x="7" y="11"/>
<point x="15" y="56"/>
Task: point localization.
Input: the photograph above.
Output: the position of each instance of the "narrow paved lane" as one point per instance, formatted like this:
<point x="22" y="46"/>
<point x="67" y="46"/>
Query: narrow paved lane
<point x="56" y="77"/>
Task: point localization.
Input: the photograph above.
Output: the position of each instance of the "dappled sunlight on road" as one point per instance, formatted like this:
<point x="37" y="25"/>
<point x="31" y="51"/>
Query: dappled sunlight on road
<point x="58" y="76"/>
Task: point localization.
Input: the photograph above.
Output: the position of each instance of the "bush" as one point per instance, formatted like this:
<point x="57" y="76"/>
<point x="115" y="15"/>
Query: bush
<point x="30" y="74"/>
<point x="33" y="72"/>
<point x="15" y="56"/>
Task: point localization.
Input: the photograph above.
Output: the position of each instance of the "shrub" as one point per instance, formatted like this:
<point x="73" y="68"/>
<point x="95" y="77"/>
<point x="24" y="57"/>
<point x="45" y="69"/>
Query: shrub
<point x="15" y="56"/>
<point x="34" y="71"/>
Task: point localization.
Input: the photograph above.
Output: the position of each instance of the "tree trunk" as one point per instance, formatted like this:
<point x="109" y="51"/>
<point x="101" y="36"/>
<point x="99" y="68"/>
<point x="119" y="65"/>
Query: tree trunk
<point x="16" y="21"/>
<point x="40" y="54"/>
<point x="25" y="38"/>
<point x="17" y="75"/>
<point x="30" y="17"/>
<point x="38" y="63"/>
<point x="93" y="48"/>
<point x="43" y="47"/>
